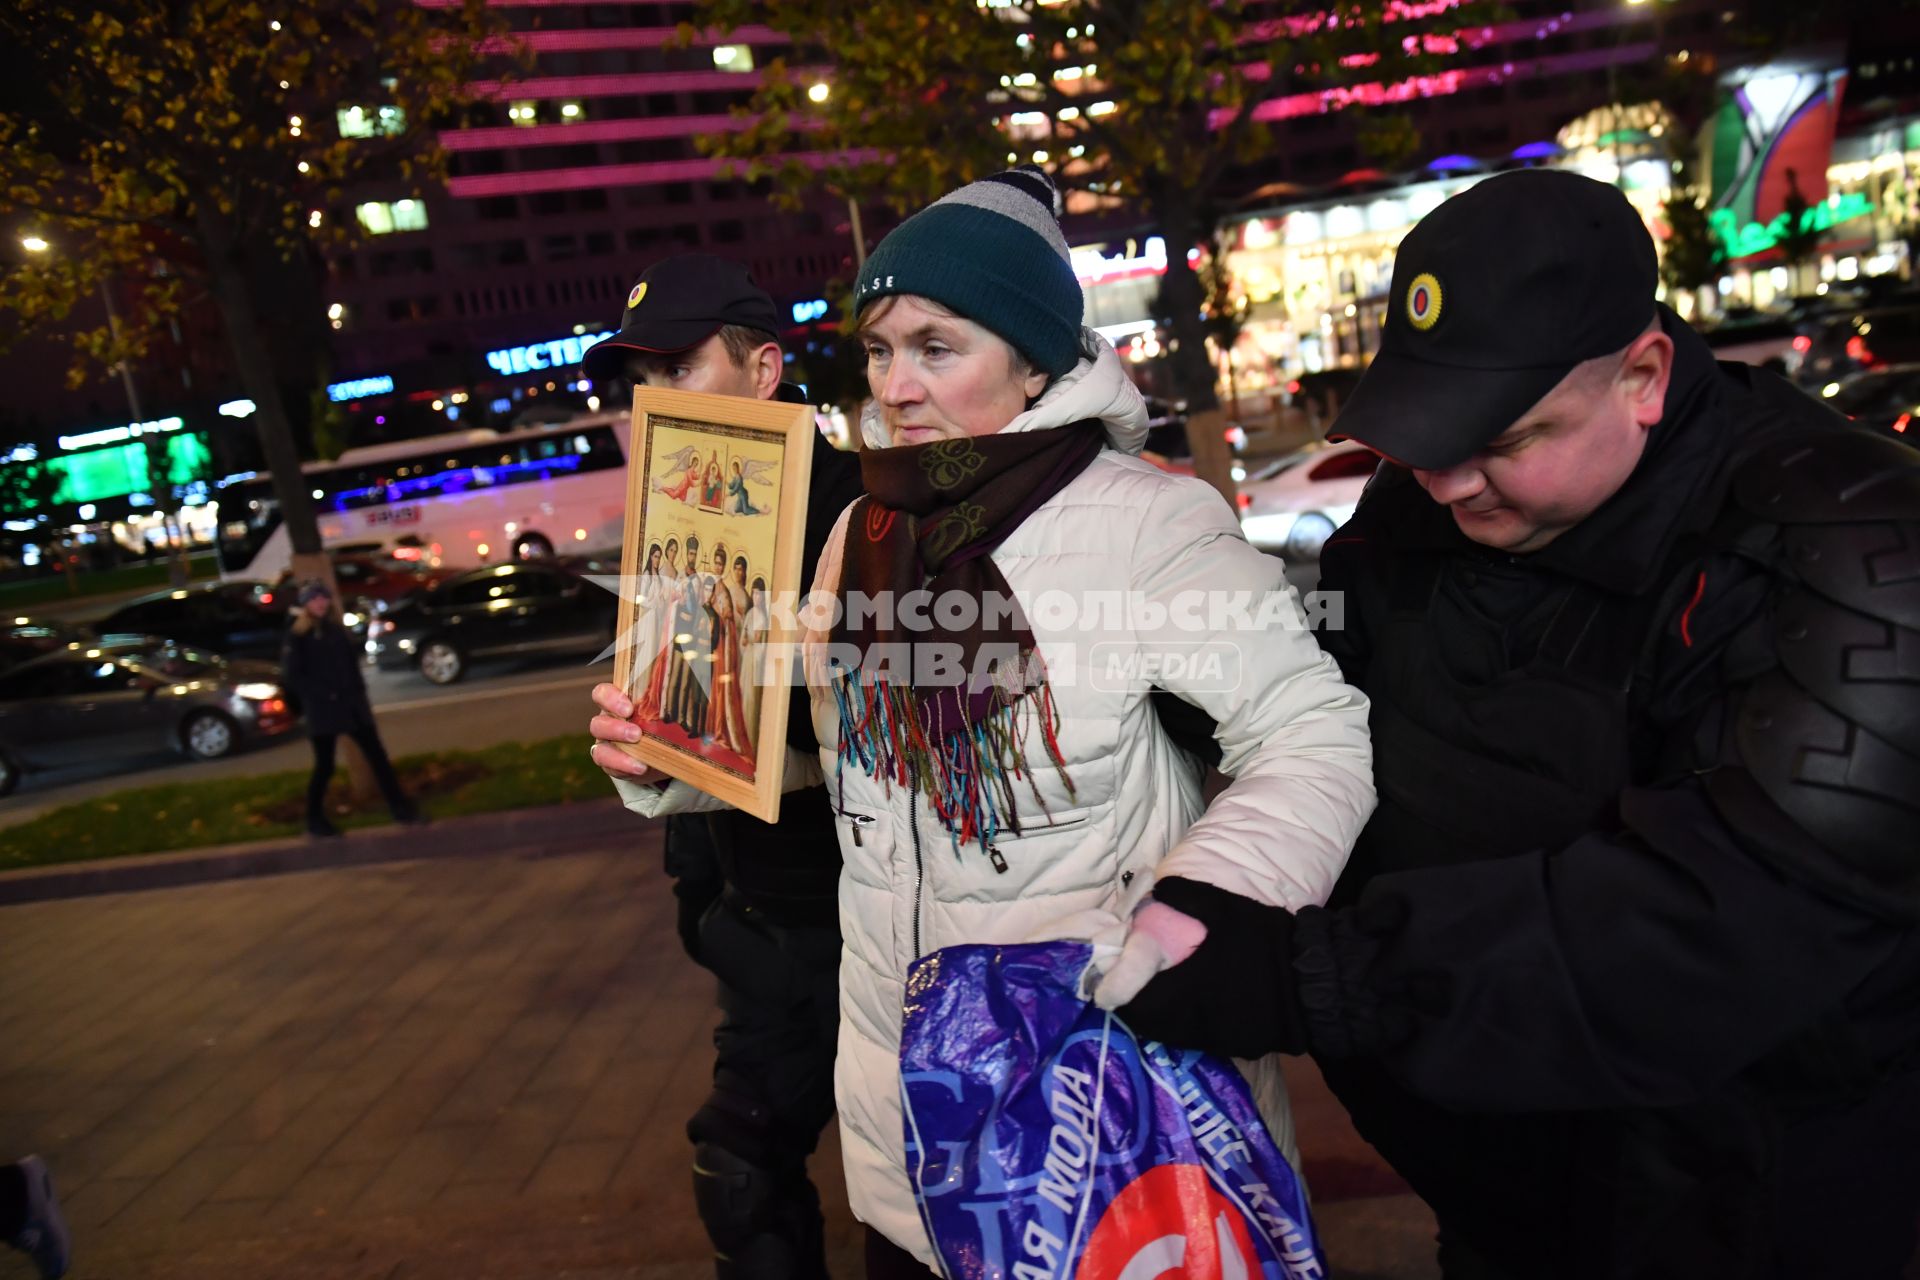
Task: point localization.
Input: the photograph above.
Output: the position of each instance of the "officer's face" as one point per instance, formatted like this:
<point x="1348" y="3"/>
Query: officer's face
<point x="1564" y="457"/>
<point x="705" y="367"/>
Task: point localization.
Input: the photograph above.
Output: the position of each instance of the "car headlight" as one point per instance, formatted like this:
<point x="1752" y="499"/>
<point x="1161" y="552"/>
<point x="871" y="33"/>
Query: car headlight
<point x="406" y="646"/>
<point x="258" y="691"/>
<point x="350" y="619"/>
<point x="1309" y="533"/>
<point x="1268" y="532"/>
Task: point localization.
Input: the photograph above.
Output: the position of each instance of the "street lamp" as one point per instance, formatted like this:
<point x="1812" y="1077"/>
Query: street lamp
<point x="34" y="243"/>
<point x="820" y="91"/>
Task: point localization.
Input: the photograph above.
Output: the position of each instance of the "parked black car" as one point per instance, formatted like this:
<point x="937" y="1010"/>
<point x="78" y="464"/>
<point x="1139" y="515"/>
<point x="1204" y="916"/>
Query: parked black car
<point x="1844" y="343"/>
<point x="23" y="639"/>
<point x="131" y="696"/>
<point x="1885" y="398"/>
<point x="235" y="619"/>
<point x="498" y="611"/>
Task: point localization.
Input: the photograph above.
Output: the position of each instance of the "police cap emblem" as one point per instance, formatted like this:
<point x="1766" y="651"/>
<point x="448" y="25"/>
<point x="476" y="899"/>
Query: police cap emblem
<point x="1423" y="301"/>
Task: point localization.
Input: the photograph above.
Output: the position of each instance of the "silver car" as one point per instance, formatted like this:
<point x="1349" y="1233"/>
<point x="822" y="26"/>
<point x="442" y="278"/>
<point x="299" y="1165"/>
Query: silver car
<point x="133" y="695"/>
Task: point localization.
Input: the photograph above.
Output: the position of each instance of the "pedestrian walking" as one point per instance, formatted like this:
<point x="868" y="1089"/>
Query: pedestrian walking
<point x="30" y="1217"/>
<point x="1026" y="789"/>
<point x="756" y="901"/>
<point x="1622" y="973"/>
<point x="320" y="666"/>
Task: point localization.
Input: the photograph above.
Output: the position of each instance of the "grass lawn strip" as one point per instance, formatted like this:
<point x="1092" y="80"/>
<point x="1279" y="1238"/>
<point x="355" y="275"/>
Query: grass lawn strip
<point x="54" y="589"/>
<point x="196" y="815"/>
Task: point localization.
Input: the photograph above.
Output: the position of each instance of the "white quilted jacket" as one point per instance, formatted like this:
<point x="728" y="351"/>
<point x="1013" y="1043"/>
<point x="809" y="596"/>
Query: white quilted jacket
<point x="1294" y="738"/>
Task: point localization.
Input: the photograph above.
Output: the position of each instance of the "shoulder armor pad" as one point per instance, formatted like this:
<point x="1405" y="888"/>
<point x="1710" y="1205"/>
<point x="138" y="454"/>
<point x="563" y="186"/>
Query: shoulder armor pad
<point x="1870" y="566"/>
<point x="1847" y="507"/>
<point x="1863" y="668"/>
<point x="1829" y="475"/>
<point x="1852" y="792"/>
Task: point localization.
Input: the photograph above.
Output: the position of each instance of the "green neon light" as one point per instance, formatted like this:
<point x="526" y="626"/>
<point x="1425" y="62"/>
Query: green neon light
<point x="99" y="474"/>
<point x="1755" y="237"/>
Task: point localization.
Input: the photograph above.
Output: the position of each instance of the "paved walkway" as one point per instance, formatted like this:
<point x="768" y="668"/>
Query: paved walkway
<point x="465" y="1067"/>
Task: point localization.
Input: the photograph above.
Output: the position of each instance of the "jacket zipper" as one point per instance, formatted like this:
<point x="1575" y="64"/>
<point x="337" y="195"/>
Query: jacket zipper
<point x="919" y="868"/>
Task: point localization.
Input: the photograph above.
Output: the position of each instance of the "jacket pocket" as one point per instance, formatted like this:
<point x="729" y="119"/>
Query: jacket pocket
<point x="869" y="892"/>
<point x="1026" y="853"/>
<point x="1006" y="840"/>
<point x="862" y="834"/>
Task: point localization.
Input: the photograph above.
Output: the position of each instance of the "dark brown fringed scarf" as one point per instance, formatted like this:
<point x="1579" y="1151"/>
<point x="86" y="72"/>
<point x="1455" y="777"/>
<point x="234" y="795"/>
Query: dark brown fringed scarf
<point x="933" y="515"/>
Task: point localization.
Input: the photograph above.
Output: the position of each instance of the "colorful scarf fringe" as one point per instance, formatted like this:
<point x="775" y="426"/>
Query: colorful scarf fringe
<point x="966" y="767"/>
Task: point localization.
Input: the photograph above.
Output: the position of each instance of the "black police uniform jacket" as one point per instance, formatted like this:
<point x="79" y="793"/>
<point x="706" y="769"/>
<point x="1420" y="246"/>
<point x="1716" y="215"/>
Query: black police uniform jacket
<point x="320" y="666"/>
<point x="1634" y="971"/>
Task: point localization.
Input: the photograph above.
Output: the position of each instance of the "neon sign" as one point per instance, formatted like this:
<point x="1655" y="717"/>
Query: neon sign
<point x="455" y="481"/>
<point x="359" y="388"/>
<point x="1093" y="267"/>
<point x="113" y="435"/>
<point x="811" y="310"/>
<point x="558" y="354"/>
<point x="1756" y="237"/>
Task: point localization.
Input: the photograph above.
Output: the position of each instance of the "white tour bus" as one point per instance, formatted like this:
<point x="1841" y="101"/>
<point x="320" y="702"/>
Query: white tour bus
<point x="462" y="499"/>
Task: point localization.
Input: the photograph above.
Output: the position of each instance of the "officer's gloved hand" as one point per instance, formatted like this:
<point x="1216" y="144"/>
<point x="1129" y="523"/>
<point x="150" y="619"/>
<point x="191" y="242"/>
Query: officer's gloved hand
<point x="1266" y="980"/>
<point x="1235" y="993"/>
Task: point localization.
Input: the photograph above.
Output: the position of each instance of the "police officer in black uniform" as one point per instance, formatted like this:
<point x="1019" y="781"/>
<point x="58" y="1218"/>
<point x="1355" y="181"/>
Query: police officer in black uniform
<point x="1623" y="976"/>
<point x="757" y="903"/>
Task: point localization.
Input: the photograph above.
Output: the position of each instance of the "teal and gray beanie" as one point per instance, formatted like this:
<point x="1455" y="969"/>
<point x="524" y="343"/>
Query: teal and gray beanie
<point x="993" y="252"/>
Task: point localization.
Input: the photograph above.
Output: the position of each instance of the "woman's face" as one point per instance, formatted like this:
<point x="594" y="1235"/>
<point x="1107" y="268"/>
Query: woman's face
<point x="938" y="376"/>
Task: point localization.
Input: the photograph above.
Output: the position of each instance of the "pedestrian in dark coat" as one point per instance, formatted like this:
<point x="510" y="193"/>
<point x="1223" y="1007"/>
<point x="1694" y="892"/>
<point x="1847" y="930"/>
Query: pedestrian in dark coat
<point x="1621" y="976"/>
<point x="320" y="666"/>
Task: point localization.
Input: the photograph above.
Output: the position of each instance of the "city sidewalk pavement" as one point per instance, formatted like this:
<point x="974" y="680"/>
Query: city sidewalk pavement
<point x="473" y="1067"/>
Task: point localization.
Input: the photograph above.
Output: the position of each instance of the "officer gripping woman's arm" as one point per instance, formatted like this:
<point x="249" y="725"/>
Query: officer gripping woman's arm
<point x="1622" y="974"/>
<point x="1640" y="964"/>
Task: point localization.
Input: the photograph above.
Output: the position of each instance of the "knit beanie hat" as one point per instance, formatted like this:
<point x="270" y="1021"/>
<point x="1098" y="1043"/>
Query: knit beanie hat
<point x="993" y="252"/>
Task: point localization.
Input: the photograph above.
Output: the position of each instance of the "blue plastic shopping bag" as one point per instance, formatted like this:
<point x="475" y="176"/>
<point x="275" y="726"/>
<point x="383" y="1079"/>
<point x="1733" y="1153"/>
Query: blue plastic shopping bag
<point x="1047" y="1143"/>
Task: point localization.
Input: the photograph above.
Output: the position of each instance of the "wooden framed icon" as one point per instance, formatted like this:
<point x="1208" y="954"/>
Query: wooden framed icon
<point x="716" y="513"/>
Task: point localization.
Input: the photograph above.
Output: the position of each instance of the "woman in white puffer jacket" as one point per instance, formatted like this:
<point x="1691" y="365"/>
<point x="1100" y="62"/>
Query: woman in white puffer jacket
<point x="1000" y="465"/>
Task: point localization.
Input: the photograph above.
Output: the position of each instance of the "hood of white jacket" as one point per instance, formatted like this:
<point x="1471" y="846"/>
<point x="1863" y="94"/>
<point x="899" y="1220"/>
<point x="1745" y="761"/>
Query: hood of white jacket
<point x="1097" y="387"/>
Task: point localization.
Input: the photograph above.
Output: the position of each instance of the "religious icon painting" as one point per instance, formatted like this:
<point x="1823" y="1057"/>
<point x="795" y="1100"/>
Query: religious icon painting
<point x="716" y="509"/>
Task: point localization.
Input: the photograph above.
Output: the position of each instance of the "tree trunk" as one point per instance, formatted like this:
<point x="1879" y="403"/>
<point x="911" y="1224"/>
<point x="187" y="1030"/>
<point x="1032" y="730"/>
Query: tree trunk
<point x="1194" y="375"/>
<point x="182" y="558"/>
<point x="160" y="488"/>
<point x="243" y="325"/>
<point x="177" y="571"/>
